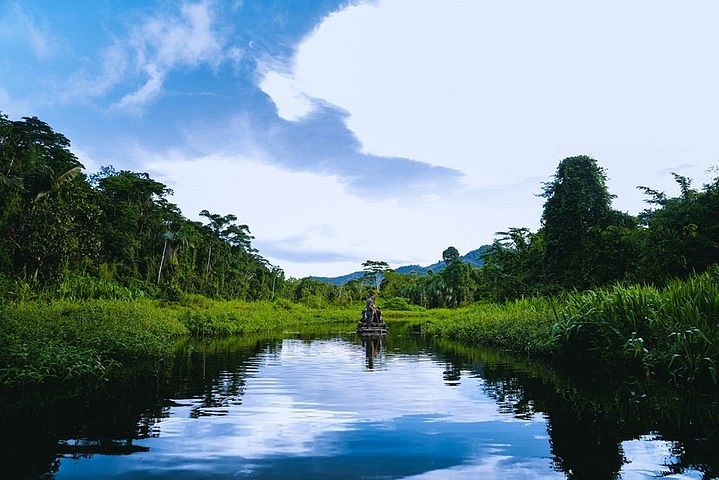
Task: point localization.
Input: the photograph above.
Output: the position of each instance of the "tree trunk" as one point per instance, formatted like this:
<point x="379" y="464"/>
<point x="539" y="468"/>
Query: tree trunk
<point x="162" y="260"/>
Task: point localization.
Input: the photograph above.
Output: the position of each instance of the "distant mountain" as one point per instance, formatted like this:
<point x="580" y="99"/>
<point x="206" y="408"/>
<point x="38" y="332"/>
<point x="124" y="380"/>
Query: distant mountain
<point x="474" y="258"/>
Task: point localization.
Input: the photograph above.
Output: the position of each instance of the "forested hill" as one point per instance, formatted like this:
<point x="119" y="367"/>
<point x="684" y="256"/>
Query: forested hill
<point x="473" y="258"/>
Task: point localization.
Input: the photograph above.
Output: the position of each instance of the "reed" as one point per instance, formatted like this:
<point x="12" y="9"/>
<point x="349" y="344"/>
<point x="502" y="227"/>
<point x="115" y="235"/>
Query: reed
<point x="671" y="331"/>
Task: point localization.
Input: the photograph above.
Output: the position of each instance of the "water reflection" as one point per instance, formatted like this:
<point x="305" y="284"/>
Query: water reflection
<point x="341" y="406"/>
<point x="372" y="347"/>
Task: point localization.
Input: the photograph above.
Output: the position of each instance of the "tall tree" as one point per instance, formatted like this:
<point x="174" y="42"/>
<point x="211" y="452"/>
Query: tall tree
<point x="374" y="270"/>
<point x="457" y="278"/>
<point x="577" y="201"/>
<point x="39" y="223"/>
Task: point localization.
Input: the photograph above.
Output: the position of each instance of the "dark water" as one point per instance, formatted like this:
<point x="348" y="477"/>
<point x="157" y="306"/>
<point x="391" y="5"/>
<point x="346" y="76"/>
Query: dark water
<point x="334" y="406"/>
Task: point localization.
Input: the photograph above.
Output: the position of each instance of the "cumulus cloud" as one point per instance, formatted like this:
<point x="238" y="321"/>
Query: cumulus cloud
<point x="503" y="90"/>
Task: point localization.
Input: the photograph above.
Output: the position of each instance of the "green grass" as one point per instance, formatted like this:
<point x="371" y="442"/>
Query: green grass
<point x="673" y="331"/>
<point x="521" y="326"/>
<point x="68" y="340"/>
<point x="205" y="317"/>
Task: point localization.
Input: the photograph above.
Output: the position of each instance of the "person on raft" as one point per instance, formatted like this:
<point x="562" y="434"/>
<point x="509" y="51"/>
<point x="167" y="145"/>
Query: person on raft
<point x="371" y="308"/>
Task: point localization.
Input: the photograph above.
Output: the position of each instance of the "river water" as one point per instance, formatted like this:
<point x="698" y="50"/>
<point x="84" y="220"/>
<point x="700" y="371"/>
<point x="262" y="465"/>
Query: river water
<point x="334" y="405"/>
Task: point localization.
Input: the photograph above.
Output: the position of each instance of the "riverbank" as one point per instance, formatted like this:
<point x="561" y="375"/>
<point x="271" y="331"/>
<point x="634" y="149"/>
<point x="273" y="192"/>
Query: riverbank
<point x="91" y="340"/>
<point x="671" y="331"/>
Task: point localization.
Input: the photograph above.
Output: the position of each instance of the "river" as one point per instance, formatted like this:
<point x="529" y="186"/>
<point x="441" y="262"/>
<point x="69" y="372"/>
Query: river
<point x="333" y="405"/>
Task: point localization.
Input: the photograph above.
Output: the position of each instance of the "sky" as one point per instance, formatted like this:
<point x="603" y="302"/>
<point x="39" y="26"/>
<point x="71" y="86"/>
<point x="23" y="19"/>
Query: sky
<point x="381" y="129"/>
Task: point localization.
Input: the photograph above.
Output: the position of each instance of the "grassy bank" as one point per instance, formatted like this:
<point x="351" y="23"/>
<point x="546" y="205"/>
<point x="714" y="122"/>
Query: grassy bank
<point x="671" y="331"/>
<point x="62" y="341"/>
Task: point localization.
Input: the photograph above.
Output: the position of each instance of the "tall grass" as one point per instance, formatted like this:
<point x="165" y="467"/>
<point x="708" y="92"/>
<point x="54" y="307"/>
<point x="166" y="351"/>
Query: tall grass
<point x="204" y="317"/>
<point x="70" y="340"/>
<point x="521" y="326"/>
<point x="674" y="329"/>
<point x="670" y="331"/>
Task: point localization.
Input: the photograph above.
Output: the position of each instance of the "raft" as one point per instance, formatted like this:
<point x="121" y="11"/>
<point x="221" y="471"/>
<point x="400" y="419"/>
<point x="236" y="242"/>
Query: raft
<point x="375" y="329"/>
<point x="367" y="326"/>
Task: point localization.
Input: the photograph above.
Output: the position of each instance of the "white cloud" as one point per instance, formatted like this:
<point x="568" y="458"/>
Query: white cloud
<point x="152" y="48"/>
<point x="290" y="102"/>
<point x="162" y="43"/>
<point x="114" y="67"/>
<point x="17" y="23"/>
<point x="502" y="91"/>
<point x="135" y="100"/>
<point x="313" y="214"/>
<point x="187" y="39"/>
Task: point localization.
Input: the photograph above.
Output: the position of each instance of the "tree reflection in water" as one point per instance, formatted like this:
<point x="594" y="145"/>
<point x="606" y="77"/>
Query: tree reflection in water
<point x="589" y="418"/>
<point x="587" y="423"/>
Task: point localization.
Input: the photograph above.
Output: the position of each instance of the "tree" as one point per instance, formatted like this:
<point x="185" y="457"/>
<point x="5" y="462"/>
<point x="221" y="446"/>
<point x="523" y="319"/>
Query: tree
<point x="44" y="200"/>
<point x="374" y="270"/>
<point x="681" y="234"/>
<point x="513" y="266"/>
<point x="577" y="201"/>
<point x="457" y="277"/>
<point x="450" y="255"/>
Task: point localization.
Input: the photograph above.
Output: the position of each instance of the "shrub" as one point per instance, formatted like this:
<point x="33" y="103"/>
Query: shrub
<point x="397" y="303"/>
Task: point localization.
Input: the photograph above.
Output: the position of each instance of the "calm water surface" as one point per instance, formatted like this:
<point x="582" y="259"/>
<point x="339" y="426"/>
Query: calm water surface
<point x="338" y="406"/>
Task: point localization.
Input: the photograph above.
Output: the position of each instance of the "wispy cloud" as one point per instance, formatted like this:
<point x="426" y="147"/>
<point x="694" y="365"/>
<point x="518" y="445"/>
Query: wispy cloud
<point x="137" y="64"/>
<point x="17" y="23"/>
<point x="151" y="88"/>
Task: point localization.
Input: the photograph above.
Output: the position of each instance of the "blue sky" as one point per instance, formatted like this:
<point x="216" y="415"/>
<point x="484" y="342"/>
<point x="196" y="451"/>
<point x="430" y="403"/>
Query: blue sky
<point x="388" y="129"/>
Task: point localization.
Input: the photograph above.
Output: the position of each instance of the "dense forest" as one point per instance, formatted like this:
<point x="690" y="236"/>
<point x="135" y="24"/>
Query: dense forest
<point x="114" y="234"/>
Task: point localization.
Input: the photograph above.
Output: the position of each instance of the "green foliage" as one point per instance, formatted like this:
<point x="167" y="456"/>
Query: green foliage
<point x="671" y="331"/>
<point x="576" y="214"/>
<point x="520" y="325"/>
<point x="215" y="318"/>
<point x="64" y="341"/>
<point x="89" y="340"/>
<point x="374" y="271"/>
<point x="585" y="244"/>
<point x="396" y="303"/>
<point x="681" y="236"/>
<point x="675" y="327"/>
<point x="86" y="287"/>
<point x="453" y="286"/>
<point x="114" y="235"/>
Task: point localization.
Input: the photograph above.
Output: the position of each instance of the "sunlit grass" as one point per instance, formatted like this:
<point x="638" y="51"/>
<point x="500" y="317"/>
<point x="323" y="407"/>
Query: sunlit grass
<point x="70" y="340"/>
<point x="672" y="331"/>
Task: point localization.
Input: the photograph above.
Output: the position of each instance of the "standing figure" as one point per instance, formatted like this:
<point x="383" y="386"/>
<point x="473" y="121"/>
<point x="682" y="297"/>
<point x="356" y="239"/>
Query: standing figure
<point x="371" y="308"/>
